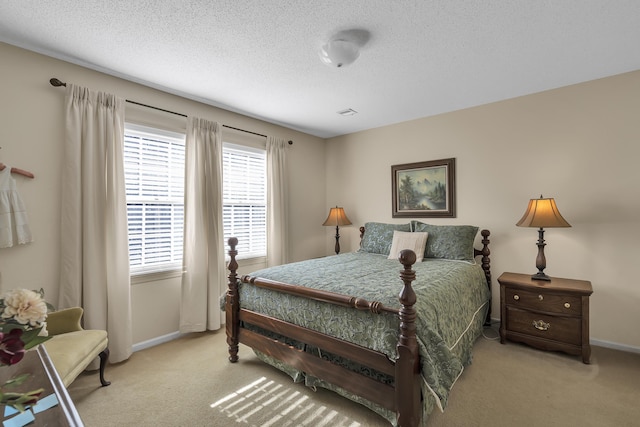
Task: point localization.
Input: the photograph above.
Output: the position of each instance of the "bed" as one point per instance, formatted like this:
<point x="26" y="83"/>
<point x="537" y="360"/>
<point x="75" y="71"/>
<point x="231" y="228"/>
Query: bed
<point x="390" y="326"/>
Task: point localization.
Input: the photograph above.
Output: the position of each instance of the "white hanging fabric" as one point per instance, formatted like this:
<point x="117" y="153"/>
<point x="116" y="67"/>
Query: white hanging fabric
<point x="277" y="202"/>
<point x="94" y="252"/>
<point x="203" y="278"/>
<point x="14" y="222"/>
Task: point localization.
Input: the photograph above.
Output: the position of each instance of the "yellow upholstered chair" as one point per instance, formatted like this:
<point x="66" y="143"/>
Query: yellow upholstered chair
<point x="72" y="348"/>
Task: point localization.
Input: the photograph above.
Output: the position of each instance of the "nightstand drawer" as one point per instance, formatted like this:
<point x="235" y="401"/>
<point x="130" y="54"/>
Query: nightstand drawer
<point x="564" y="329"/>
<point x="526" y="300"/>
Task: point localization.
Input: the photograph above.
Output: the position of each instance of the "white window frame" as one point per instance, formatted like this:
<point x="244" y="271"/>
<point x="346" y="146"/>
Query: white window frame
<point x="171" y="193"/>
<point x="252" y="184"/>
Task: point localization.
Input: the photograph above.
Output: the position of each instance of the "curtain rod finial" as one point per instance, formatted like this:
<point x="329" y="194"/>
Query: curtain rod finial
<point x="57" y="83"/>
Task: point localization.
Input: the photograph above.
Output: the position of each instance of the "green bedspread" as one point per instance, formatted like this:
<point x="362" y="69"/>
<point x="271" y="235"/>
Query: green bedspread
<point x="452" y="300"/>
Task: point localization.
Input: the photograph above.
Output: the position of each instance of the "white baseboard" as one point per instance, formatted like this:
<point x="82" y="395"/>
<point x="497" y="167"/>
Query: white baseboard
<point x="155" y="341"/>
<point x="615" y="346"/>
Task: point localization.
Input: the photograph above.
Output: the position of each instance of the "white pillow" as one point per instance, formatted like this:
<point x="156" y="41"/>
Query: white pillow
<point x="416" y="241"/>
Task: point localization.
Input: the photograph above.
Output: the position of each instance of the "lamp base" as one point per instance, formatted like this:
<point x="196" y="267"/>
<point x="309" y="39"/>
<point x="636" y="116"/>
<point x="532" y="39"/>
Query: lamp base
<point x="541" y="261"/>
<point x="541" y="276"/>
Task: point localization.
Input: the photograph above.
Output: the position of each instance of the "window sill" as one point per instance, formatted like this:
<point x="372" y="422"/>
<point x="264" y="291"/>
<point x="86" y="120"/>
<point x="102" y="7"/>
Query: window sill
<point x="155" y="276"/>
<point x="246" y="265"/>
<point x="243" y="263"/>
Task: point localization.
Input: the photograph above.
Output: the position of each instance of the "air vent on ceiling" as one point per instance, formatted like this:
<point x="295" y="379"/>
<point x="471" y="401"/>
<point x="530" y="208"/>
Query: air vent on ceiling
<point x="348" y="112"/>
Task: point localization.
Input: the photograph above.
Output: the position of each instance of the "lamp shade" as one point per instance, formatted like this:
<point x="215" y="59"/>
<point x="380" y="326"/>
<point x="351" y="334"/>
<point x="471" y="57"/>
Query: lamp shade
<point x="542" y="213"/>
<point x="337" y="217"/>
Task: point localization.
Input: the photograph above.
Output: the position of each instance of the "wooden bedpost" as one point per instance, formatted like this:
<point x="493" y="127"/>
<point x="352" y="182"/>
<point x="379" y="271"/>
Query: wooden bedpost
<point x="407" y="386"/>
<point x="485" y="252"/>
<point x="232" y="304"/>
<point x="486" y="266"/>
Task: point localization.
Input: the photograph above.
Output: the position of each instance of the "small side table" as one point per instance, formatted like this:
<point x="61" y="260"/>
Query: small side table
<point x="549" y="315"/>
<point x="42" y="374"/>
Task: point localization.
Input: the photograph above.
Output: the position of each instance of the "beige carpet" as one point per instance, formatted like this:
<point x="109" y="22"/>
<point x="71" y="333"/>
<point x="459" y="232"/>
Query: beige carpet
<point x="189" y="382"/>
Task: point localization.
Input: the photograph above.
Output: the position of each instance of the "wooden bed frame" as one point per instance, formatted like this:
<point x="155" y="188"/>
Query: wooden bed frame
<point x="402" y="397"/>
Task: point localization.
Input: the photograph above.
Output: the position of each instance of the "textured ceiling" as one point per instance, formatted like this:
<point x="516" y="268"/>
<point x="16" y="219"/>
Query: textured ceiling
<point x="260" y="58"/>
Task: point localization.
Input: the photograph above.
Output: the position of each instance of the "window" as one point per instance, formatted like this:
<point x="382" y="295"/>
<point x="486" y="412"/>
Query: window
<point x="245" y="198"/>
<point x="154" y="180"/>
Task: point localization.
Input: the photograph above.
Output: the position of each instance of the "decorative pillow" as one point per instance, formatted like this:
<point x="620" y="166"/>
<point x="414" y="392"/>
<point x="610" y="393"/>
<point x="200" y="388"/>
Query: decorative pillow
<point x="448" y="241"/>
<point x="404" y="240"/>
<point x="378" y="237"/>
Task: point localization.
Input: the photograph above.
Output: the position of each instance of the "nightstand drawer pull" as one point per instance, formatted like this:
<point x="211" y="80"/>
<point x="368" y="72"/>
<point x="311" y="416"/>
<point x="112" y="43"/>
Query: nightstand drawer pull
<point x="516" y="297"/>
<point x="540" y="297"/>
<point x="567" y="305"/>
<point x="541" y="325"/>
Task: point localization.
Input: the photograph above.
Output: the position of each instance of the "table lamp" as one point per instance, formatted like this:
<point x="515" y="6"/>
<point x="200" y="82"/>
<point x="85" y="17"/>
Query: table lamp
<point x="337" y="217"/>
<point x="542" y="213"/>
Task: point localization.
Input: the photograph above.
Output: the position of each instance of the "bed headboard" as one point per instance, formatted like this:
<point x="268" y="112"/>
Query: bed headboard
<point x="484" y="252"/>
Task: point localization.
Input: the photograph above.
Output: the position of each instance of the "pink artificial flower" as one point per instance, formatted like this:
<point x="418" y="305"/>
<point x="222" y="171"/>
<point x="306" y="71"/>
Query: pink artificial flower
<point x="11" y="347"/>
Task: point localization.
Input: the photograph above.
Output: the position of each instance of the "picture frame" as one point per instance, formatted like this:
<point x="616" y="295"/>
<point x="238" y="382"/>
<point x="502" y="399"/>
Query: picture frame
<point x="424" y="189"/>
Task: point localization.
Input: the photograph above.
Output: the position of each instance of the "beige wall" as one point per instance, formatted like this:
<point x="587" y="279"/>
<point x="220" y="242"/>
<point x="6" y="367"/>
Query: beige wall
<point x="31" y="137"/>
<point x="578" y="144"/>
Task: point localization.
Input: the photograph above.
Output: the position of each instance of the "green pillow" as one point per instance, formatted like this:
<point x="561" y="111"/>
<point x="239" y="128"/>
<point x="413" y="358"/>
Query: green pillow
<point x="448" y="241"/>
<point x="378" y="237"/>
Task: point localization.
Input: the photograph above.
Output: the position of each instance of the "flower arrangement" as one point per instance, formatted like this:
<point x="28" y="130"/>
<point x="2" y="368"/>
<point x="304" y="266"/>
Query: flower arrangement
<point x="23" y="315"/>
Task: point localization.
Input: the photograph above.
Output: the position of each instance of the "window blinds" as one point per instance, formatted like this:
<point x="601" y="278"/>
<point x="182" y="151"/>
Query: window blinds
<point x="245" y="199"/>
<point x="154" y="180"/>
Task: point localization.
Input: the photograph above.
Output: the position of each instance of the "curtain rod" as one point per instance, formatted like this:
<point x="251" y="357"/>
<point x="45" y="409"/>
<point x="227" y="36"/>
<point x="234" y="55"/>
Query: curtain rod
<point x="57" y="83"/>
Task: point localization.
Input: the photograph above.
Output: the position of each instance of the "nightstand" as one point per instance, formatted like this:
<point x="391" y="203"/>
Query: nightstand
<point x="549" y="315"/>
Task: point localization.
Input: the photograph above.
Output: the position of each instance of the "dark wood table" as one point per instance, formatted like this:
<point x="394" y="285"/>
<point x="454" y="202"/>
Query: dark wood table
<point x="42" y="375"/>
<point x="550" y="315"/>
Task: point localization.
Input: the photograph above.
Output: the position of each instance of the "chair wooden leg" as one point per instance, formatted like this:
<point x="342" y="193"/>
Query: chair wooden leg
<point x="104" y="357"/>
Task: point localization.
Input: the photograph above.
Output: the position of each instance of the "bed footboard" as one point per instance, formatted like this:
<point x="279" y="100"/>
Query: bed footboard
<point x="402" y="397"/>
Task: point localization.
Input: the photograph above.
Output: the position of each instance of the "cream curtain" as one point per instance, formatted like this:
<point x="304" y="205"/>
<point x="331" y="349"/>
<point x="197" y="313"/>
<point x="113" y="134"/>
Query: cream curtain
<point x="94" y="269"/>
<point x="203" y="278"/>
<point x="277" y="199"/>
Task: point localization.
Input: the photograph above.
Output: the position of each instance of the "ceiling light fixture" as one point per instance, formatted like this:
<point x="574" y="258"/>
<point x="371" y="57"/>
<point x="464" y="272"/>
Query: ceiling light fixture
<point x="339" y="53"/>
<point x="343" y="48"/>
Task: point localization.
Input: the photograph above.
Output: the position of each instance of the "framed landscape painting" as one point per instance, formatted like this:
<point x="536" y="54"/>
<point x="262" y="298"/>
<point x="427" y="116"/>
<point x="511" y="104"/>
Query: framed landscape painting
<point x="424" y="189"/>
